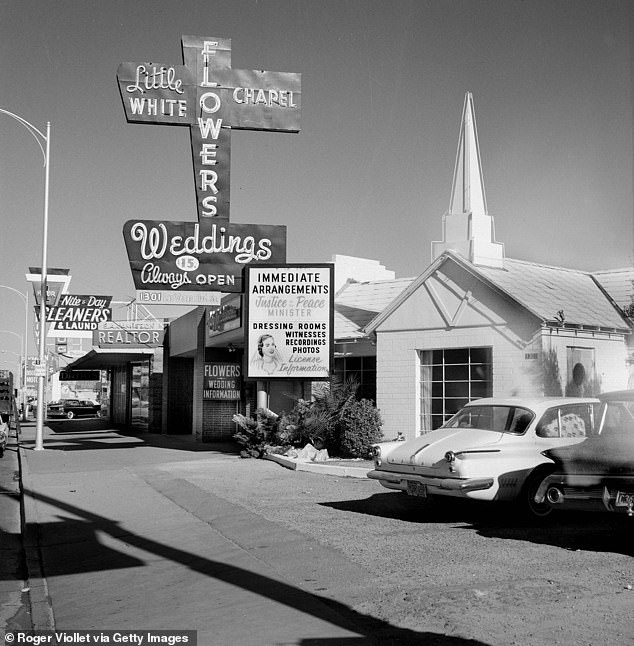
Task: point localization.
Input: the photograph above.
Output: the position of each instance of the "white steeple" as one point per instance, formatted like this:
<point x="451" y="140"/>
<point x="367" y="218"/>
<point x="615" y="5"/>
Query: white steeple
<point x="467" y="227"/>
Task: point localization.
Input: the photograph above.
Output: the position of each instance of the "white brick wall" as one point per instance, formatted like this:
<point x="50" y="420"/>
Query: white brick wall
<point x="517" y="367"/>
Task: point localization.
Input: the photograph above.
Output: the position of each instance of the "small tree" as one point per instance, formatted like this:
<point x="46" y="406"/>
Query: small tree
<point x="552" y="376"/>
<point x="360" y="428"/>
<point x="256" y="435"/>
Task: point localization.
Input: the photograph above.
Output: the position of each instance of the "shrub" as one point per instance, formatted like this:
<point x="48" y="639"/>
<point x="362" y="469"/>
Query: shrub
<point x="256" y="435"/>
<point x="334" y="420"/>
<point x="360" y="428"/>
<point x="552" y="376"/>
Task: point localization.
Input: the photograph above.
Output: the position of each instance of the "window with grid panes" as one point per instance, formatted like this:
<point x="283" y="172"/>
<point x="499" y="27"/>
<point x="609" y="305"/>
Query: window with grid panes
<point x="449" y="379"/>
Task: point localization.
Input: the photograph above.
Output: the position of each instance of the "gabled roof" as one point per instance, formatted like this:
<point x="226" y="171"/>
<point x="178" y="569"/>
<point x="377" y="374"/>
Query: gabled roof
<point x="357" y="303"/>
<point x="618" y="283"/>
<point x="549" y="293"/>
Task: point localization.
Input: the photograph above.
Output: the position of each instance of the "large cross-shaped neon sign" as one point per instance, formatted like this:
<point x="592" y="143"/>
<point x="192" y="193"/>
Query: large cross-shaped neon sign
<point x="211" y="98"/>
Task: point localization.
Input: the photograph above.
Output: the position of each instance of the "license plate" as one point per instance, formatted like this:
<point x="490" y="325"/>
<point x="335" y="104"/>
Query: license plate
<point x="416" y="489"/>
<point x="624" y="499"/>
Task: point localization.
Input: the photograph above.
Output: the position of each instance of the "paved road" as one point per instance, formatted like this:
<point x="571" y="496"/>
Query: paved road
<point x="161" y="532"/>
<point x="129" y="539"/>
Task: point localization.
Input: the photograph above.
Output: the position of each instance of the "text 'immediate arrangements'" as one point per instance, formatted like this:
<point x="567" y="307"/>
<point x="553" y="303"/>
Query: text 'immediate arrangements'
<point x="290" y="317"/>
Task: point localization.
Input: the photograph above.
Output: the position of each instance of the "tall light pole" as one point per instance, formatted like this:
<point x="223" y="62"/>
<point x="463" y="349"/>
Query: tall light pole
<point x="46" y="152"/>
<point x="25" y="348"/>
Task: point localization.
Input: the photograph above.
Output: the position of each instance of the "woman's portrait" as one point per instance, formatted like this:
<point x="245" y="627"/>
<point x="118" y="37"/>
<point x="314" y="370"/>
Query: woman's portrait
<point x="266" y="357"/>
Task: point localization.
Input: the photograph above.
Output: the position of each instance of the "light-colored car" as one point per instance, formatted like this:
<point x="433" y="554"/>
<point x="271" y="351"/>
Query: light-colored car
<point x="489" y="450"/>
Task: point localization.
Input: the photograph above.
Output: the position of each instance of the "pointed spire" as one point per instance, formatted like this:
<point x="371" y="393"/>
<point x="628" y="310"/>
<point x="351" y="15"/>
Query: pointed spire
<point x="467" y="227"/>
<point x="467" y="191"/>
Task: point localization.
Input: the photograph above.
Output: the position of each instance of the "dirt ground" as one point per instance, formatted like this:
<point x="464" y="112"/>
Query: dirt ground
<point x="472" y="572"/>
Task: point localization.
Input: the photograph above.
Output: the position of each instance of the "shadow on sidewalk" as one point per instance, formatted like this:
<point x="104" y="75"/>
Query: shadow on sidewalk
<point x="94" y="433"/>
<point x="370" y="629"/>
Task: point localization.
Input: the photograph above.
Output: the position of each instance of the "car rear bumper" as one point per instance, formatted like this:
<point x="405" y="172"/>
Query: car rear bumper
<point x="439" y="486"/>
<point x="588" y="492"/>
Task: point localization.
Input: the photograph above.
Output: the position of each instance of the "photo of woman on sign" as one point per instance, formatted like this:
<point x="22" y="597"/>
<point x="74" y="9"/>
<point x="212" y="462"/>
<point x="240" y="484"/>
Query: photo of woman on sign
<point x="266" y="359"/>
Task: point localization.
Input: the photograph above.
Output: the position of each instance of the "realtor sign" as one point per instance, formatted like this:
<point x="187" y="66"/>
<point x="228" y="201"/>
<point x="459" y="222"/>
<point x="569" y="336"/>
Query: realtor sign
<point x="129" y="334"/>
<point x="289" y="331"/>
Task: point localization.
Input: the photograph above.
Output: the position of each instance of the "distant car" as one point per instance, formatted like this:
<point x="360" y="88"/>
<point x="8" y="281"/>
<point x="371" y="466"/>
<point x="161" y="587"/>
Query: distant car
<point x="598" y="474"/>
<point x="4" y="433"/>
<point x="489" y="450"/>
<point x="70" y="408"/>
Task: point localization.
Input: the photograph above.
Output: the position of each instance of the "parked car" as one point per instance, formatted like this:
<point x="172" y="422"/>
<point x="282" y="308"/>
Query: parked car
<point x="598" y="473"/>
<point x="4" y="433"/>
<point x="490" y="450"/>
<point x="70" y="408"/>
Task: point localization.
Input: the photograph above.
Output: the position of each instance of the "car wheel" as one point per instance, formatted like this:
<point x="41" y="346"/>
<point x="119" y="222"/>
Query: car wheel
<point x="70" y="414"/>
<point x="531" y="508"/>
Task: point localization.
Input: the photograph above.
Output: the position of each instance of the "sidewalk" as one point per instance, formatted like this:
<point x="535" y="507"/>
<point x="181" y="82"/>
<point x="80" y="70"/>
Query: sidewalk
<point x="126" y="541"/>
<point x="14" y="605"/>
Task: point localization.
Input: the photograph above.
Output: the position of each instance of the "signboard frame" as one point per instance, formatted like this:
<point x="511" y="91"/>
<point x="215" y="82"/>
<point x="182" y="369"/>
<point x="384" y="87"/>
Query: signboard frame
<point x="302" y="354"/>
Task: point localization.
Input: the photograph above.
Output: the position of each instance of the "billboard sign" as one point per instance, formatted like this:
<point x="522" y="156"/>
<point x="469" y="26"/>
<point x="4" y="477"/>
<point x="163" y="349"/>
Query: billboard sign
<point x="198" y="258"/>
<point x="129" y="334"/>
<point x="224" y="318"/>
<point x="222" y="381"/>
<point x="210" y="97"/>
<point x="289" y="330"/>
<point x="57" y="282"/>
<point x="77" y="315"/>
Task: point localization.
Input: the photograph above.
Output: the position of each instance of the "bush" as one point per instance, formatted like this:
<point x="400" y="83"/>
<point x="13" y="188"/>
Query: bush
<point x="256" y="435"/>
<point x="334" y="420"/>
<point x="360" y="428"/>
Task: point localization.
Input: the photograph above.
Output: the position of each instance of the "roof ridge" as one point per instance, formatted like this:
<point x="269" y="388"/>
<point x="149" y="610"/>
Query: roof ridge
<point x="544" y="265"/>
<point x="383" y="280"/>
<point x="613" y="271"/>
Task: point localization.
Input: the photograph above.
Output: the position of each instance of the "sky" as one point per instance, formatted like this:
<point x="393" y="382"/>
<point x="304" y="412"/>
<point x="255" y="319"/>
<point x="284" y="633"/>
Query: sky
<point x="369" y="174"/>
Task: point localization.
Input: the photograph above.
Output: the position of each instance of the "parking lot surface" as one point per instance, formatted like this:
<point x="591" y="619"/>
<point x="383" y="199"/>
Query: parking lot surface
<point x="160" y="532"/>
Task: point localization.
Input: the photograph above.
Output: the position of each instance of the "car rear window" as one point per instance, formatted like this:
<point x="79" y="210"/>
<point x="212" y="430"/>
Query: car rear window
<point x="503" y="419"/>
<point x="617" y="419"/>
<point x="569" y="420"/>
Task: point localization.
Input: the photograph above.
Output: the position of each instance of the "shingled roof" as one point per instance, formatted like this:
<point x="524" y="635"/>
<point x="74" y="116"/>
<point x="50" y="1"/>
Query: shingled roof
<point x="357" y="303"/>
<point x="618" y="283"/>
<point x="548" y="292"/>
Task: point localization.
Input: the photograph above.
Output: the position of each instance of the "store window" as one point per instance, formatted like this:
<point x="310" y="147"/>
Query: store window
<point x="139" y="396"/>
<point x="449" y="379"/>
<point x="363" y="370"/>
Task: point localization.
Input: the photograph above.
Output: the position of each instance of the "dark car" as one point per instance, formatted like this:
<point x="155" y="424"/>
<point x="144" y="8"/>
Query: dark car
<point x="70" y="408"/>
<point x="598" y="473"/>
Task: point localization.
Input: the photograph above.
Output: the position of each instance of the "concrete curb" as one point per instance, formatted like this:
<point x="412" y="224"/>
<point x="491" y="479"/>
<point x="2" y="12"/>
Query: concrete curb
<point x="41" y="607"/>
<point x="318" y="467"/>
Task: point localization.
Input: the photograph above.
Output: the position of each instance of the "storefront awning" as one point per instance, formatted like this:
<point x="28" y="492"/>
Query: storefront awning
<point x="99" y="359"/>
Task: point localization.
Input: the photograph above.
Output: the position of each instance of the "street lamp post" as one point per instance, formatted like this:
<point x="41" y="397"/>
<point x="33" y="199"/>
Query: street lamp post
<point x="41" y="380"/>
<point x="25" y="341"/>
